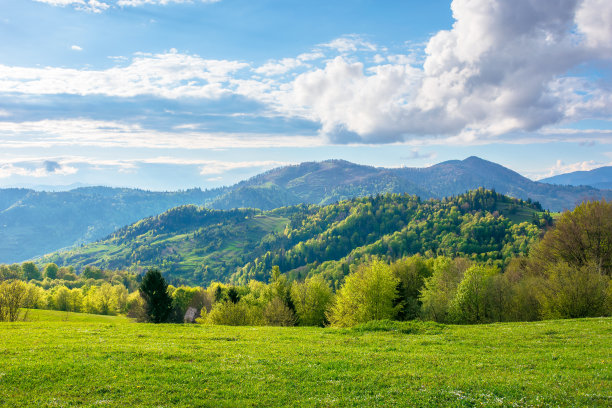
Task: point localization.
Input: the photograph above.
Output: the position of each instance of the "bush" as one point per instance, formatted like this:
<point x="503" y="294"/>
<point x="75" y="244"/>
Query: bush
<point x="276" y="313"/>
<point x="235" y="314"/>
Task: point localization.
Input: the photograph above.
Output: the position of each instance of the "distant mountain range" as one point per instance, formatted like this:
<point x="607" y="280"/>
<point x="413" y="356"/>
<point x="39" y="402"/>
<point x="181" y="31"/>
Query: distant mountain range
<point x="33" y="223"/>
<point x="600" y="178"/>
<point x="333" y="180"/>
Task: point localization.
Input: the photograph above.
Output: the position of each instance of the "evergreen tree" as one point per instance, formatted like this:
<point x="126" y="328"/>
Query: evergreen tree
<point x="154" y="291"/>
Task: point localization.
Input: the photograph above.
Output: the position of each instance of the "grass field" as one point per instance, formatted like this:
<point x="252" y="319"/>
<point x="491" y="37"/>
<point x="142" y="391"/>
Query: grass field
<point x="54" y="361"/>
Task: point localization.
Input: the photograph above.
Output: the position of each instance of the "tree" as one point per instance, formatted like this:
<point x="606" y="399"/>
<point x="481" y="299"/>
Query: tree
<point x="439" y="289"/>
<point x="30" y="271"/>
<point x="471" y="301"/>
<point x="12" y="298"/>
<point x="572" y="292"/>
<point x="311" y="299"/>
<point x="581" y="237"/>
<point x="157" y="301"/>
<point x="411" y="273"/>
<point x="51" y="270"/>
<point x="235" y="314"/>
<point x="367" y="294"/>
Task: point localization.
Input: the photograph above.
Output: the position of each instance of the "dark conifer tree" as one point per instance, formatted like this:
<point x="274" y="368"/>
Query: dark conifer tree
<point x="154" y="291"/>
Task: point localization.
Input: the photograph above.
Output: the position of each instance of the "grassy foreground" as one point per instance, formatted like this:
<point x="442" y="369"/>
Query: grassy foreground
<point x="91" y="361"/>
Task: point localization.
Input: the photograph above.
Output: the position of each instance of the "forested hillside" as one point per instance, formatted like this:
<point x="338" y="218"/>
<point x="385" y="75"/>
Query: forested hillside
<point x="199" y="245"/>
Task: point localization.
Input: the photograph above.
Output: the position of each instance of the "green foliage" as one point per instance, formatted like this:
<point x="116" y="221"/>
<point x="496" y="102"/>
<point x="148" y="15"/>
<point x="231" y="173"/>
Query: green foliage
<point x="277" y="313"/>
<point x="311" y="300"/>
<point x="439" y="289"/>
<point x="471" y="303"/>
<point x="30" y="271"/>
<point x="368" y="294"/>
<point x="411" y="272"/>
<point x="575" y="292"/>
<point x="12" y="299"/>
<point x="581" y="237"/>
<point x="235" y="314"/>
<point x="50" y="271"/>
<point x="157" y="302"/>
<point x="194" y="245"/>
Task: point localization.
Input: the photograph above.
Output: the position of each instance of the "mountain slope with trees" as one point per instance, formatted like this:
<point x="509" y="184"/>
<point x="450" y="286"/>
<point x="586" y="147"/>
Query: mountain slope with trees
<point x="34" y="223"/>
<point x="199" y="245"/>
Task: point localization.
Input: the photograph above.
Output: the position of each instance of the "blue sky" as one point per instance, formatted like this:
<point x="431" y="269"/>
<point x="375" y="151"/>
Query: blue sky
<point x="168" y="94"/>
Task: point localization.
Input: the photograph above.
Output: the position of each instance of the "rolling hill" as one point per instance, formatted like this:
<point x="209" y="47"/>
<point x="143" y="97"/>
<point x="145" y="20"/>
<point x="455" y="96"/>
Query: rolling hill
<point x="198" y="245"/>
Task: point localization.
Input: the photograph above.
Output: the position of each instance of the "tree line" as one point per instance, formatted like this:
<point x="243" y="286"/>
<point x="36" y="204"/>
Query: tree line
<point x="567" y="274"/>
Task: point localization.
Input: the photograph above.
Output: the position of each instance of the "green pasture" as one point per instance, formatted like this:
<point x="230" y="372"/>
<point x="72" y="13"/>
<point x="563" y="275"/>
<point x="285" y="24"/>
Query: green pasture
<point x="63" y="360"/>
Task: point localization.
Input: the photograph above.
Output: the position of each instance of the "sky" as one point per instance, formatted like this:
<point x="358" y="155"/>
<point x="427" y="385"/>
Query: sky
<point x="174" y="94"/>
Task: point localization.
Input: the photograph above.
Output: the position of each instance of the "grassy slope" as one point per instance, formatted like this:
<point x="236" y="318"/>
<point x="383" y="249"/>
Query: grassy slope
<point x="56" y="363"/>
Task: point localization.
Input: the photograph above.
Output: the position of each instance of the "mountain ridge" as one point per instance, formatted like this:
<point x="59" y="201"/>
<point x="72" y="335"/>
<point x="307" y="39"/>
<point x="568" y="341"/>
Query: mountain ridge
<point x="600" y="178"/>
<point x="33" y="223"/>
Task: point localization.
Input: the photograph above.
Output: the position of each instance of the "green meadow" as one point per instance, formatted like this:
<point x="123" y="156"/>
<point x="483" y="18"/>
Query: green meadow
<point x="59" y="359"/>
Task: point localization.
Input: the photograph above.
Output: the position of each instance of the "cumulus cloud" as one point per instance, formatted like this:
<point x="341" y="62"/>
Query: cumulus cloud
<point x="500" y="69"/>
<point x="504" y="68"/>
<point x="76" y="48"/>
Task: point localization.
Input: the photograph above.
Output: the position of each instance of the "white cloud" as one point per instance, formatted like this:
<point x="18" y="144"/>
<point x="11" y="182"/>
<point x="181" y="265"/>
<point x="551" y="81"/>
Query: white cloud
<point x="561" y="167"/>
<point x="85" y="132"/>
<point x="76" y="48"/>
<point x="214" y="167"/>
<point x="279" y="67"/>
<point x="170" y="75"/>
<point x="41" y="168"/>
<point x="351" y="43"/>
<point x="94" y="6"/>
<point x="98" y="6"/>
<point x="503" y="69"/>
<point x="477" y="80"/>
<point x="594" y="19"/>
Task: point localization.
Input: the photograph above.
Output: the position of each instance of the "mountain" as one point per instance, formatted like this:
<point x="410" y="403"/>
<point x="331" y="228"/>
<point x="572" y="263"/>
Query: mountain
<point x="315" y="183"/>
<point x="600" y="178"/>
<point x="333" y="180"/>
<point x="33" y="223"/>
<point x="198" y="245"/>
